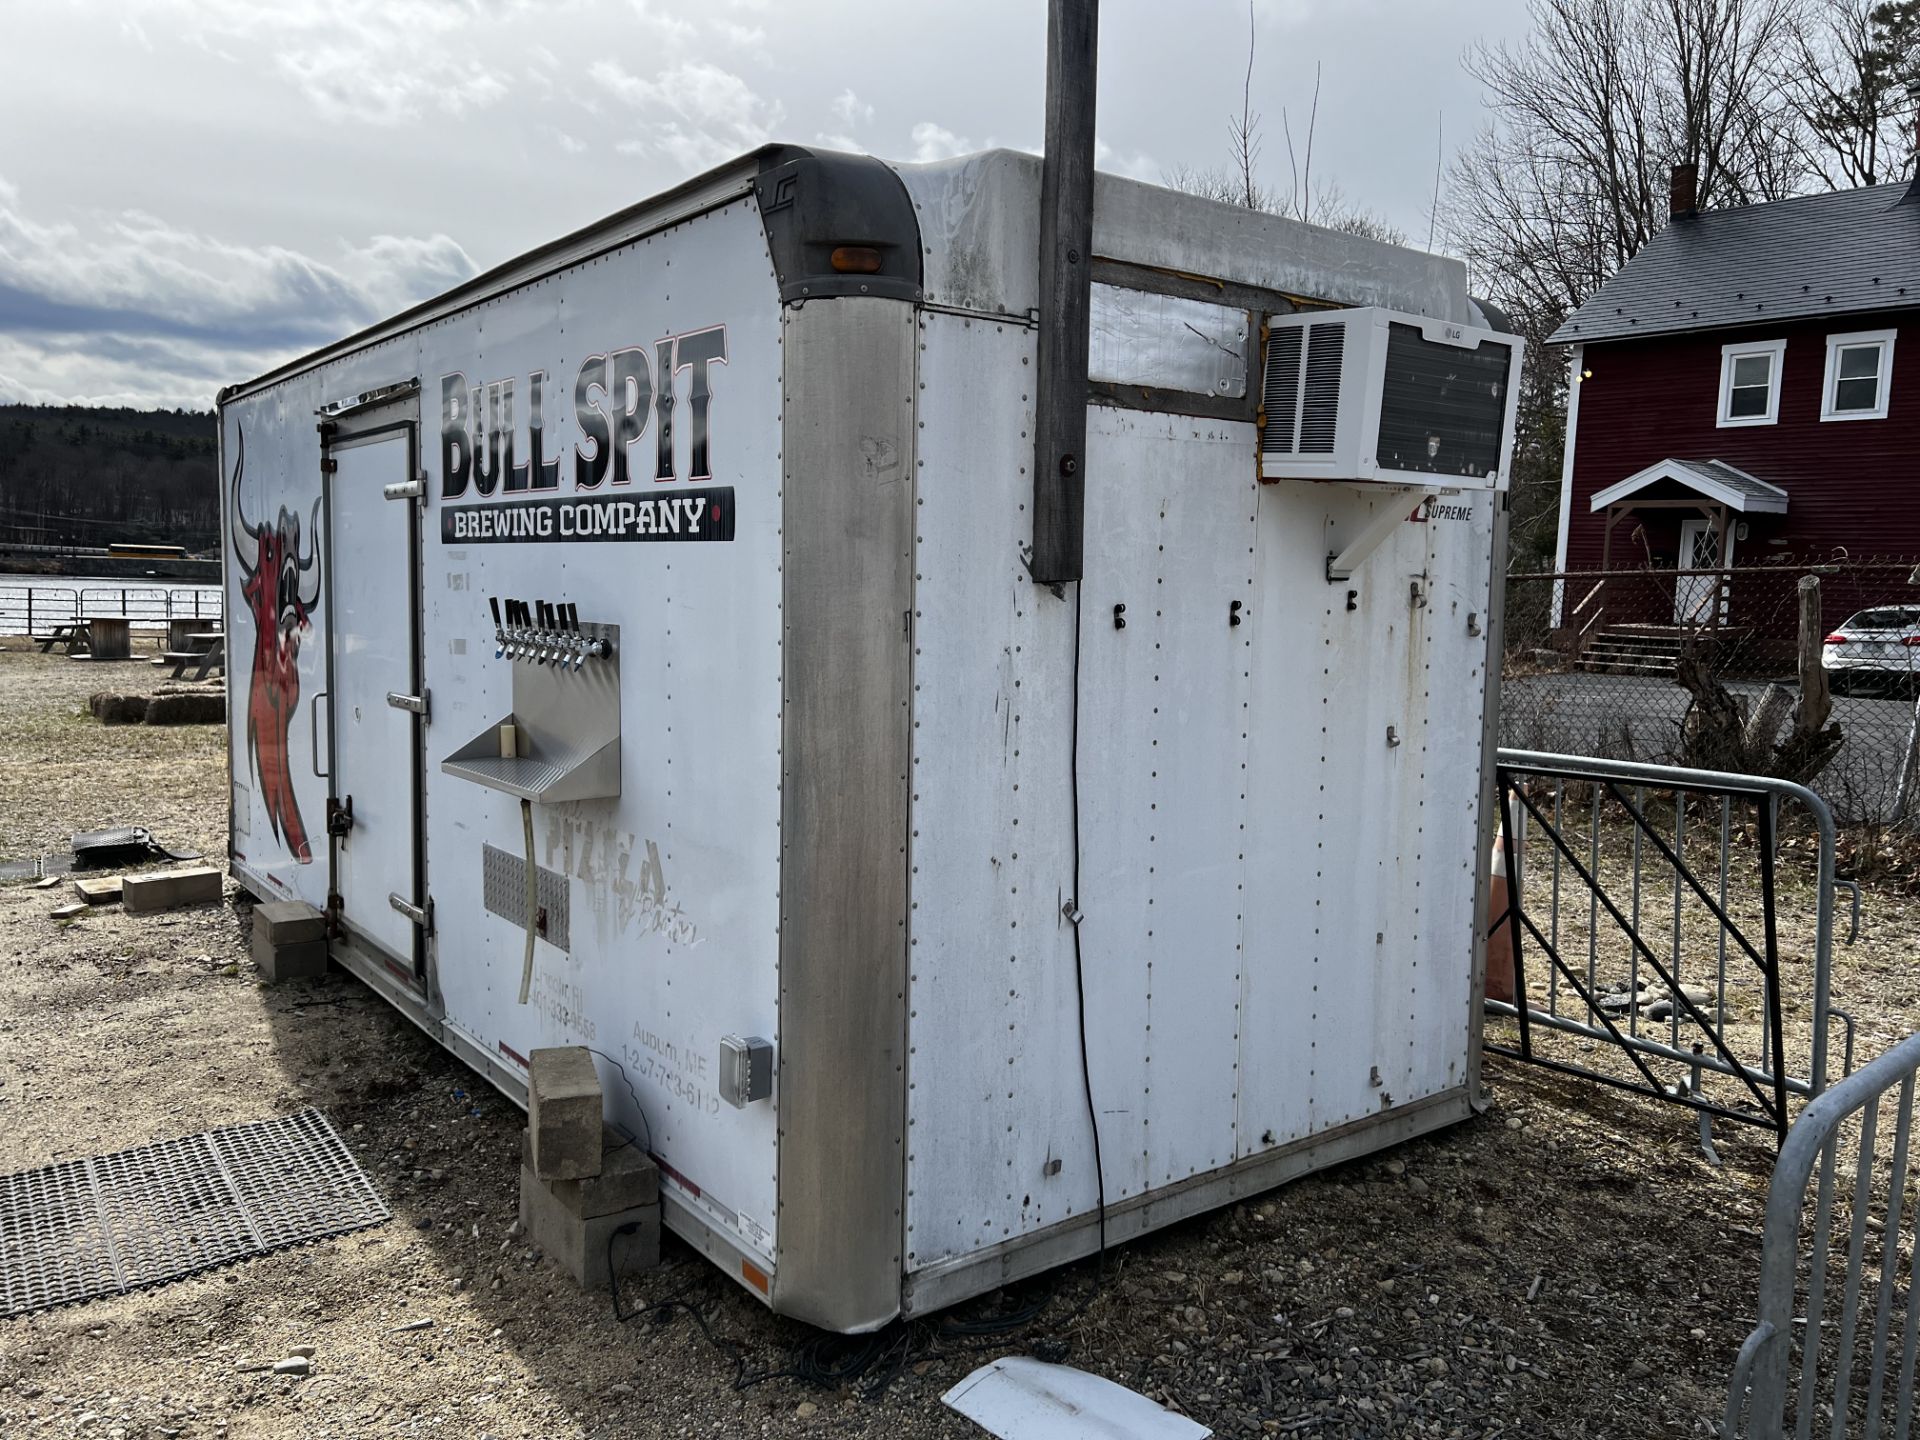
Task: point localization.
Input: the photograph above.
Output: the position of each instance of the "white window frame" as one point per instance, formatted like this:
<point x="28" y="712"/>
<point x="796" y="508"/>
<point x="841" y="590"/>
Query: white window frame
<point x="1776" y="351"/>
<point x="1837" y="343"/>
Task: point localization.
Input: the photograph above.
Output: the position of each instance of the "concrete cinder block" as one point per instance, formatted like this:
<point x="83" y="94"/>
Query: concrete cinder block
<point x="287" y="922"/>
<point x="581" y="1245"/>
<point x="564" y="1107"/>
<point x="167" y="889"/>
<point x="627" y="1178"/>
<point x="297" y="960"/>
<point x="100" y="890"/>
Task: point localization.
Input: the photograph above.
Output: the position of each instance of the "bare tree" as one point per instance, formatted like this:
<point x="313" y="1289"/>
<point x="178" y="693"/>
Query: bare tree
<point x="1847" y="72"/>
<point x="1244" y="133"/>
<point x="1569" y="179"/>
<point x="1589" y="113"/>
<point x="1302" y="196"/>
<point x="1238" y="182"/>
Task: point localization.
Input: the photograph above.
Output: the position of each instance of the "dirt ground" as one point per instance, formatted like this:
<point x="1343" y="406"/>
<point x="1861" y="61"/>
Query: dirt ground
<point x="1566" y="1264"/>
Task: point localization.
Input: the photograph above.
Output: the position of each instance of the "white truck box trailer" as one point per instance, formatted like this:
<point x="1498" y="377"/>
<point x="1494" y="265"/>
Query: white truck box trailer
<point x="888" y="887"/>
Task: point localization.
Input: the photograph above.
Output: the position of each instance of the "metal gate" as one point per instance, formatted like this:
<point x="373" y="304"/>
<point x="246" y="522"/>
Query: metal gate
<point x="1799" y="1369"/>
<point x="1645" y="917"/>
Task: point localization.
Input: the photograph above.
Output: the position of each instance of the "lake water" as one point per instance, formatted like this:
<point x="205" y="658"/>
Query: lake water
<point x="46" y="600"/>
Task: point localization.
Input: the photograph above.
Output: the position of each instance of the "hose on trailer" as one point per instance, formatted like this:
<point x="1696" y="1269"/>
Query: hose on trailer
<point x="533" y="899"/>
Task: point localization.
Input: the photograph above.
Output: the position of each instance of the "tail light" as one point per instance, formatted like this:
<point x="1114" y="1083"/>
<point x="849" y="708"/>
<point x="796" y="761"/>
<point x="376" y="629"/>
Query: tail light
<point x="1838" y="639"/>
<point x="1910" y="639"/>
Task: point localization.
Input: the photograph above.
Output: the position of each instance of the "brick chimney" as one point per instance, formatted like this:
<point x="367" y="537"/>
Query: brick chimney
<point x="1683" y="192"/>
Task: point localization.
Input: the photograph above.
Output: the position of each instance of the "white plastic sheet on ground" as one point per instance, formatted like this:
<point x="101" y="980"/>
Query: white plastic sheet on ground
<point x="1017" y="1398"/>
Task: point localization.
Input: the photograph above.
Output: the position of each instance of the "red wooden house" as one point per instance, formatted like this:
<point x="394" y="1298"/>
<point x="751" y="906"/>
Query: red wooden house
<point x="1745" y="390"/>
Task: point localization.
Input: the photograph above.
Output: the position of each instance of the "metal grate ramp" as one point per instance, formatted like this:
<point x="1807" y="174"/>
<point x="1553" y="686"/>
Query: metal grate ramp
<point x="103" y="1226"/>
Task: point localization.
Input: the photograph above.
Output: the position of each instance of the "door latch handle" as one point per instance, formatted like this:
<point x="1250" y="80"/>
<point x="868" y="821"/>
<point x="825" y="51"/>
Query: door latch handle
<point x="339" y="816"/>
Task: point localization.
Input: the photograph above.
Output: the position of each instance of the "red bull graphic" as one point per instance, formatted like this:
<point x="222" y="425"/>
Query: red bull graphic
<point x="281" y="587"/>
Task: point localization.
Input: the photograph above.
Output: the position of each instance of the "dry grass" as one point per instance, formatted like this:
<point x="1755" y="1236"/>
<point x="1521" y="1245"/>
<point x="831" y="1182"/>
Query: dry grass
<point x="62" y="771"/>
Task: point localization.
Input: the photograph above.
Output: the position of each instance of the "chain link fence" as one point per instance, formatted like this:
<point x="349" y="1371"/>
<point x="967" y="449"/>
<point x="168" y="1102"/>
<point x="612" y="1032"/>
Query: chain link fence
<point x="1597" y="663"/>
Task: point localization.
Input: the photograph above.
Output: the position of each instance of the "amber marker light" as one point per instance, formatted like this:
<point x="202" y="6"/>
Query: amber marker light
<point x="856" y="260"/>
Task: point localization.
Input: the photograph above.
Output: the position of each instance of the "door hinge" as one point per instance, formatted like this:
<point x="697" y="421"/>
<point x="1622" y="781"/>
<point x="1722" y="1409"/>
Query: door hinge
<point x="339" y="816"/>
<point x="414" y="704"/>
<point x="404" y="490"/>
<point x="421" y="915"/>
<point x="329" y="465"/>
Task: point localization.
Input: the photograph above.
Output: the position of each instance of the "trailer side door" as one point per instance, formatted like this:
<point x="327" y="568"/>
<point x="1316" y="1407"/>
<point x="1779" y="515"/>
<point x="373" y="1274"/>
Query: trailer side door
<point x="375" y="701"/>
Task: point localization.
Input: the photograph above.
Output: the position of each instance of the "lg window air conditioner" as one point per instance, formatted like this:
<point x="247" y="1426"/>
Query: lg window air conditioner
<point x="1373" y="395"/>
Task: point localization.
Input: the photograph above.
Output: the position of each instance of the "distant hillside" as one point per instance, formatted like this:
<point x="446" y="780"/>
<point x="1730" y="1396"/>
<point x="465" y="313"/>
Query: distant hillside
<point x="74" y="475"/>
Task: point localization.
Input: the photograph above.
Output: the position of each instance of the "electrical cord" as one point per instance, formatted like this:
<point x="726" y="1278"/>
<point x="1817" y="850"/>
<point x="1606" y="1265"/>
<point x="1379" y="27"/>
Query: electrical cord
<point x="638" y="1109"/>
<point x="1079" y="964"/>
<point x="828" y="1361"/>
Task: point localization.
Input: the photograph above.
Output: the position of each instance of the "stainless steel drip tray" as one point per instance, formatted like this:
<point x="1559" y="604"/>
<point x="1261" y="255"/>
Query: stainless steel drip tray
<point x="567" y="721"/>
<point x="553" y="771"/>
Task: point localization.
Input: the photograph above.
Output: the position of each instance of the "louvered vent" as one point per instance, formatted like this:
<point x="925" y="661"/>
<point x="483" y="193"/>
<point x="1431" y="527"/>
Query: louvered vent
<point x="1282" y="401"/>
<point x="1320" y="395"/>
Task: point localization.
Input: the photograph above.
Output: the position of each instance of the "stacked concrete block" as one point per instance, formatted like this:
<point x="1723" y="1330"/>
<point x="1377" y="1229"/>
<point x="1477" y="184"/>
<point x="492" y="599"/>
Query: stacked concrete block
<point x="170" y="889"/>
<point x="289" y="941"/>
<point x="588" y="1198"/>
<point x="564" y="1107"/>
<point x="600" y="1225"/>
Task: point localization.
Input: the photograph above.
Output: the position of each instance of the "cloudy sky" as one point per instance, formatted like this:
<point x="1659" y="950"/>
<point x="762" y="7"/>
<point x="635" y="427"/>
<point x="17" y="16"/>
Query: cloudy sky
<point x="191" y="190"/>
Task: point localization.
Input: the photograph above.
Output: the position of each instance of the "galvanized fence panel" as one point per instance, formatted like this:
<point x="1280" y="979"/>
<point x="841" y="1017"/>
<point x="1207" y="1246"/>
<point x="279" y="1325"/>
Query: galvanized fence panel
<point x="1591" y="660"/>
<point x="1644" y="919"/>
<point x="1800" y="1372"/>
<point x="33" y="609"/>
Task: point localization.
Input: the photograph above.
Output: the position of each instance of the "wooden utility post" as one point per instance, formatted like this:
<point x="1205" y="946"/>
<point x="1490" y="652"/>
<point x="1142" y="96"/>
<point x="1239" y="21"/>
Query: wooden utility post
<point x="1066" y="254"/>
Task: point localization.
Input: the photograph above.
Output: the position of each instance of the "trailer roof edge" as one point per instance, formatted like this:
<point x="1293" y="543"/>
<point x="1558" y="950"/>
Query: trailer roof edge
<point x="734" y="180"/>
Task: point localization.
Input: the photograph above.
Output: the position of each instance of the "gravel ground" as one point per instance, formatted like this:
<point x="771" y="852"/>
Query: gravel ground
<point x="1565" y="1264"/>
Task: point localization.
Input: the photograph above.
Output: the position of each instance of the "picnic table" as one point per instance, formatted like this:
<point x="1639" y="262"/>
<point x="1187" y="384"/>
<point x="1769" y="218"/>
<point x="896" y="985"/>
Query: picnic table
<point x="66" y="636"/>
<point x="205" y="649"/>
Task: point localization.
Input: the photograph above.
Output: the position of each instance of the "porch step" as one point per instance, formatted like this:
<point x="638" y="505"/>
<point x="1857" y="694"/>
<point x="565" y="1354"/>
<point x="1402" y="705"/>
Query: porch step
<point x="1628" y="652"/>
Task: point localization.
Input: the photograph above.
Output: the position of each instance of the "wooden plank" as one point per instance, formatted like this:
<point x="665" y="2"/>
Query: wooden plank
<point x="1066" y="277"/>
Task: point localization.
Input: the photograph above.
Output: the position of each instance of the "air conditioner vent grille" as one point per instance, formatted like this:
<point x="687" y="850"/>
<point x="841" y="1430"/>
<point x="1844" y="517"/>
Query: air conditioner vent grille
<point x="1282" y="399"/>
<point x="1320" y="394"/>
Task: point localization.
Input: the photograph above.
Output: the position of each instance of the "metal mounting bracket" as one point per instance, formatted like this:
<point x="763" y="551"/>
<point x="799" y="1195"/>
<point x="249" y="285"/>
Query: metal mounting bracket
<point x="1393" y="509"/>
